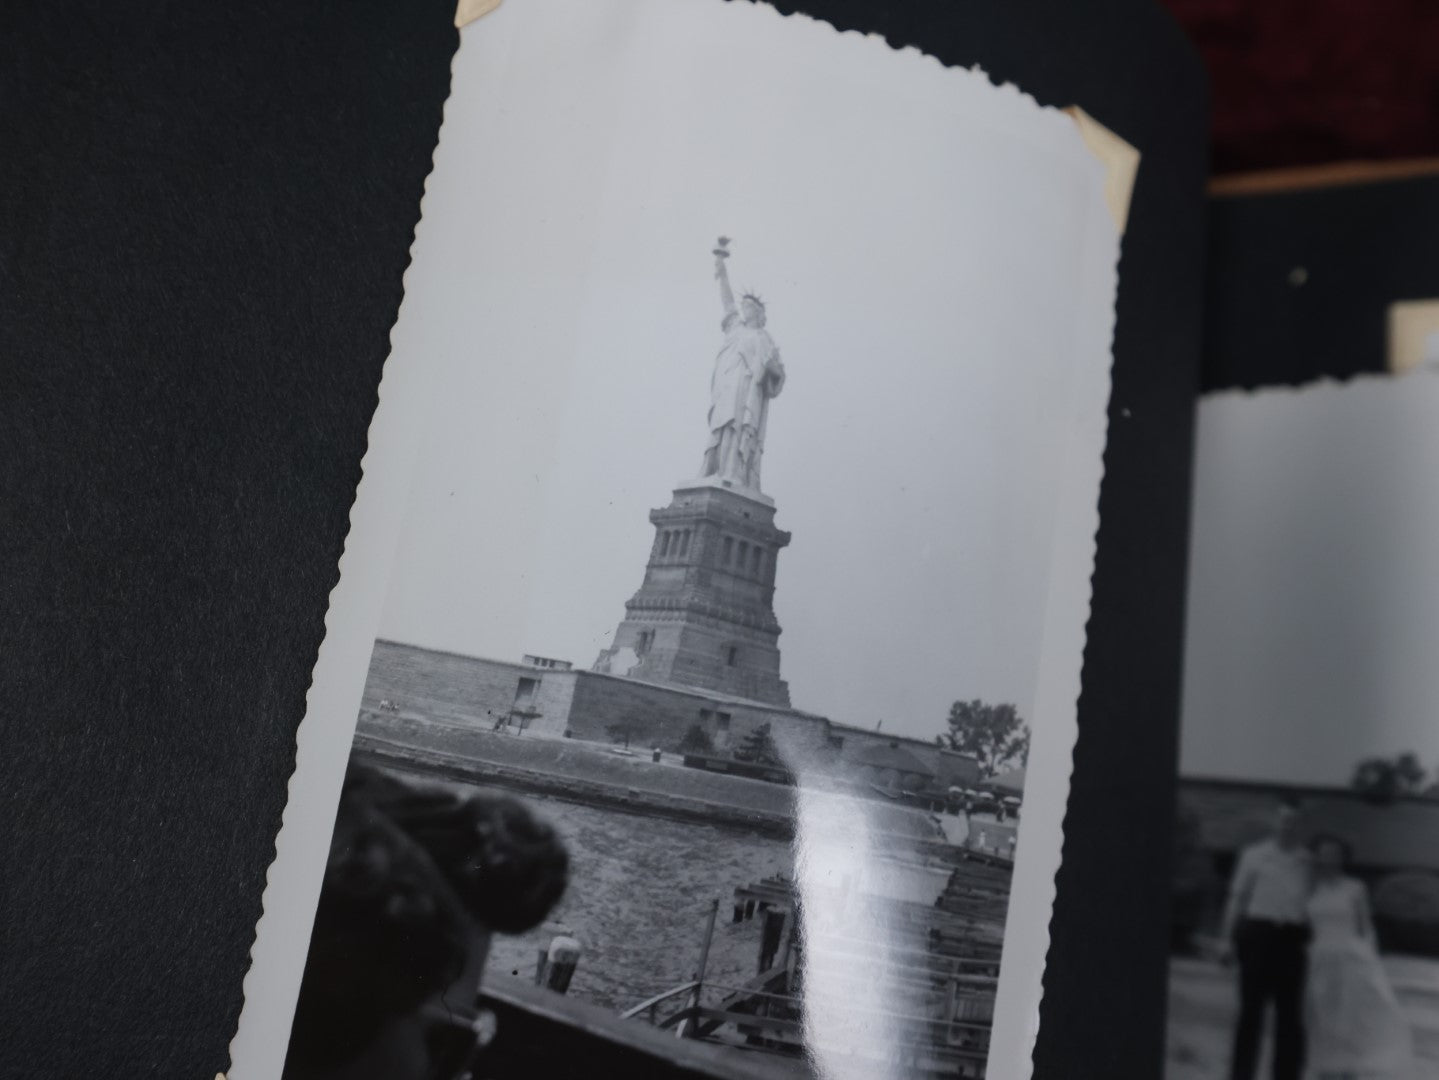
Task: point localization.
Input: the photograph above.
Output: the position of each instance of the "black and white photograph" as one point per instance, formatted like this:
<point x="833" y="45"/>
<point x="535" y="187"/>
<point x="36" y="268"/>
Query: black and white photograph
<point x="1306" y="878"/>
<point x="699" y="691"/>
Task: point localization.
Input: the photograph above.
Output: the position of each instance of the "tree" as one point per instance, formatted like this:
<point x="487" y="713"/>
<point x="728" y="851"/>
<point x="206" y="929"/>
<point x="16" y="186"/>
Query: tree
<point x="622" y="731"/>
<point x="697" y="741"/>
<point x="994" y="734"/>
<point x="1382" y="780"/>
<point x="758" y="746"/>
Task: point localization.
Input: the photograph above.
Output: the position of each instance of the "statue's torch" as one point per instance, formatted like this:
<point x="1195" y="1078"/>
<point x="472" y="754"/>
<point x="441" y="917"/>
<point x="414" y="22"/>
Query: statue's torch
<point x="721" y="253"/>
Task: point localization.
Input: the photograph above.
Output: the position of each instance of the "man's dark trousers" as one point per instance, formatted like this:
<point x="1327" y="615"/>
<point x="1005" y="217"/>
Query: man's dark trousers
<point x="1271" y="969"/>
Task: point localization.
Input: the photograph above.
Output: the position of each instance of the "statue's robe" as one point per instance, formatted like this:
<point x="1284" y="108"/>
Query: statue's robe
<point x="747" y="374"/>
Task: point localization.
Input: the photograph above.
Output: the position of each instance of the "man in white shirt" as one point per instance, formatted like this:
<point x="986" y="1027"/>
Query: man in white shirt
<point x="1266" y="925"/>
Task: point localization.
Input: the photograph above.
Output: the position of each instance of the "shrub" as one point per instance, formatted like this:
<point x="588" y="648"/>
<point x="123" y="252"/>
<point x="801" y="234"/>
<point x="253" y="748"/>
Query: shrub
<point x="1406" y="912"/>
<point x="758" y="747"/>
<point x="622" y="731"/>
<point x="696" y="741"/>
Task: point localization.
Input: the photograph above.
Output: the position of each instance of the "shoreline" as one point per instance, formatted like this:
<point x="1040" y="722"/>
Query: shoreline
<point x="587" y="774"/>
<point x="449" y="766"/>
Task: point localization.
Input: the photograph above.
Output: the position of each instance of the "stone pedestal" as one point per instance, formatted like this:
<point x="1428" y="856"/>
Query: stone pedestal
<point x="704" y="616"/>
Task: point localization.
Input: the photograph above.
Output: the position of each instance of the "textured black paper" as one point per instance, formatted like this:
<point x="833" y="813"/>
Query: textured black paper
<point x="207" y="210"/>
<point x="1300" y="282"/>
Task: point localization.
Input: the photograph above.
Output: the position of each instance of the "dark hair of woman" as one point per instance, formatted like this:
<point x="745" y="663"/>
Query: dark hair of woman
<point x="389" y="934"/>
<point x="412" y="873"/>
<point x="508" y="867"/>
<point x="1346" y="851"/>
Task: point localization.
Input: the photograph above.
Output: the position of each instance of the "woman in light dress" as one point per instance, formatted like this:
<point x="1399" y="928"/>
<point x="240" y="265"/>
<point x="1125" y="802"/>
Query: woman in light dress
<point x="1355" y="1025"/>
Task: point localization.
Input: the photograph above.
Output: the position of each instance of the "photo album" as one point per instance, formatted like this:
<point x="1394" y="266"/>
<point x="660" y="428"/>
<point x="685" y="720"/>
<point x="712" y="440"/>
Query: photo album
<point x="784" y="437"/>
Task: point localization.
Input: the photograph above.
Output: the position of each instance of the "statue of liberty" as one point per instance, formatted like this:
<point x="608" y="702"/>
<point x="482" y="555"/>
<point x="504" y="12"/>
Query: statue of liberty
<point x="747" y="374"/>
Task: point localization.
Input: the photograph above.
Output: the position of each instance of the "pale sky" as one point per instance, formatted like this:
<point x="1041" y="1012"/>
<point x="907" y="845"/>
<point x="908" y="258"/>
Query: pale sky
<point x="1314" y="587"/>
<point x="921" y="242"/>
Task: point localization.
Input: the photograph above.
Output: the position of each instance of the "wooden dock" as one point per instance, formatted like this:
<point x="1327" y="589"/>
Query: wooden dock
<point x="944" y="959"/>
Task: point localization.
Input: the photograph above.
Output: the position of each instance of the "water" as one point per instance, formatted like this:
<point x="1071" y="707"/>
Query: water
<point x="640" y="891"/>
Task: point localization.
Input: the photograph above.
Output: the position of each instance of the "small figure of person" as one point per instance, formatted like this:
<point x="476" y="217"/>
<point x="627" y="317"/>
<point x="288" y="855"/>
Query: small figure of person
<point x="1266" y="927"/>
<point x="1357" y="1028"/>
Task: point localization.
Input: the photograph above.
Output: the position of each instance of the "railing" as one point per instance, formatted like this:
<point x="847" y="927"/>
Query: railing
<point x="951" y="1031"/>
<point x="917" y="966"/>
<point x="544" y="1034"/>
<point x="650" y="1005"/>
<point x="938" y="1015"/>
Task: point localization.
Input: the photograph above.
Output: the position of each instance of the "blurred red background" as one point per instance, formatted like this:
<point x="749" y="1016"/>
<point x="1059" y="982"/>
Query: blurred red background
<point x="1306" y="82"/>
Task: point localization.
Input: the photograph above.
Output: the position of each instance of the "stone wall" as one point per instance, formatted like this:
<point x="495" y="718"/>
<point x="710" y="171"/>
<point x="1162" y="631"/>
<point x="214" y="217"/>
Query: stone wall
<point x="592" y="706"/>
<point x="951" y="769"/>
<point x="447" y="686"/>
<point x="660" y="715"/>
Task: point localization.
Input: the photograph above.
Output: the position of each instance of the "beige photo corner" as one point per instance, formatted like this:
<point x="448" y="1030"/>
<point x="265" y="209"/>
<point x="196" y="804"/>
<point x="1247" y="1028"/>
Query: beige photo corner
<point x="1413" y="334"/>
<point x="1121" y="162"/>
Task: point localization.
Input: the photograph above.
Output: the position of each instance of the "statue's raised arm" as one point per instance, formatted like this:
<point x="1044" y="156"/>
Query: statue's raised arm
<point x="721" y="253"/>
